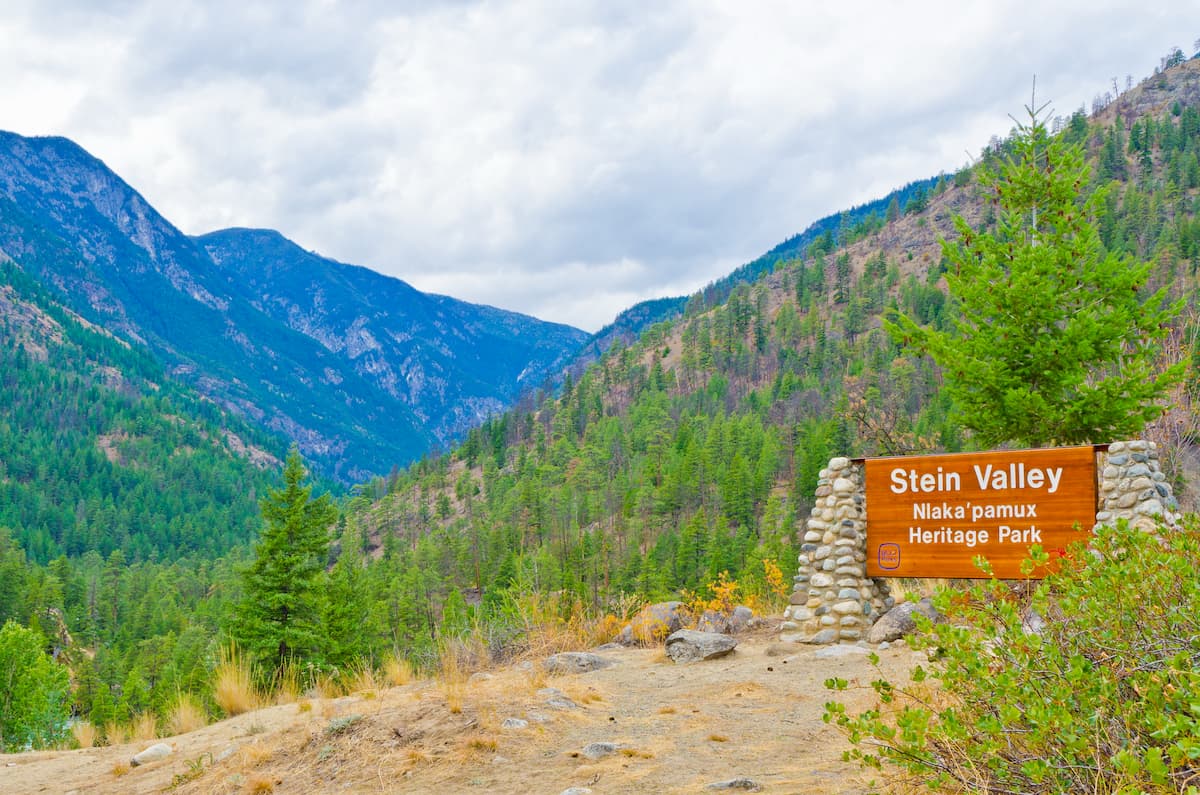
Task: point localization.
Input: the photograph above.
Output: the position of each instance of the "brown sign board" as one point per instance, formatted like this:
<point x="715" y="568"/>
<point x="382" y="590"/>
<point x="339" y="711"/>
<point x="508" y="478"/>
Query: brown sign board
<point x="930" y="516"/>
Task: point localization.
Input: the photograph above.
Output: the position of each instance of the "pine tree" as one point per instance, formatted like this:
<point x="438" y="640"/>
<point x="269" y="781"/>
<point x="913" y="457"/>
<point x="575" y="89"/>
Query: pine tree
<point x="280" y="614"/>
<point x="1053" y="345"/>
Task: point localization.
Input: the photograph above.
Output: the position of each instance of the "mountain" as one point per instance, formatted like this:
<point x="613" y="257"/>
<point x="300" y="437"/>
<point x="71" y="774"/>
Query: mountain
<point x="362" y="371"/>
<point x="102" y="452"/>
<point x="452" y="363"/>
<point x="695" y="450"/>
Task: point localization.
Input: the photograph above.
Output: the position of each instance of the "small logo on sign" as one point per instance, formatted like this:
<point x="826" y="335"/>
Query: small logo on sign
<point x="889" y="556"/>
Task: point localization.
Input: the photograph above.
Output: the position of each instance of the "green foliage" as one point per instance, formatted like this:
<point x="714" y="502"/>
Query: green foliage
<point x="1054" y="344"/>
<point x="279" y="617"/>
<point x="1101" y="698"/>
<point x="34" y="692"/>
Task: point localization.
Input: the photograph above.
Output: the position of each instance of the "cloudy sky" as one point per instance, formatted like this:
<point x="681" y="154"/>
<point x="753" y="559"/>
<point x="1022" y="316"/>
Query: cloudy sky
<point x="564" y="159"/>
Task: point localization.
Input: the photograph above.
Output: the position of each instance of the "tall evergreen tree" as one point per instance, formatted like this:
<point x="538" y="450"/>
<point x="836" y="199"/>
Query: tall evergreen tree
<point x="280" y="614"/>
<point x="1054" y="344"/>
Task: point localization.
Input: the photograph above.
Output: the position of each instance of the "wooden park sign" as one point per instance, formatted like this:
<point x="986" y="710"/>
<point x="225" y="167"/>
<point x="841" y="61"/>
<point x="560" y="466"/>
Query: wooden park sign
<point x="930" y="516"/>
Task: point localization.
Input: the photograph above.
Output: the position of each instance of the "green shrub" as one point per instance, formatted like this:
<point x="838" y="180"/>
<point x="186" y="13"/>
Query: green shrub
<point x="1103" y="697"/>
<point x="34" y="692"/>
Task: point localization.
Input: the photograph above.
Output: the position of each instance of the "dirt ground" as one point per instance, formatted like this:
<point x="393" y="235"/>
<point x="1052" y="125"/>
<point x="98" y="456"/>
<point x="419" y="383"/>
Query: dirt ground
<point x="754" y="714"/>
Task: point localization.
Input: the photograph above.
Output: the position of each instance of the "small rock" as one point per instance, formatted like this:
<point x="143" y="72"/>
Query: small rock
<point x="151" y="754"/>
<point x="514" y="723"/>
<point x="824" y="636"/>
<point x="596" y="751"/>
<point x="899" y="621"/>
<point x="839" y="650"/>
<point x="576" y="791"/>
<point x="480" y="676"/>
<point x="575" y="662"/>
<point x="744" y="784"/>
<point x="688" y="645"/>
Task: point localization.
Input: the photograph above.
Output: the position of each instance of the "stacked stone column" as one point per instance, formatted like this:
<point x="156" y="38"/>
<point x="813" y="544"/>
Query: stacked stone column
<point x="1133" y="487"/>
<point x="834" y="600"/>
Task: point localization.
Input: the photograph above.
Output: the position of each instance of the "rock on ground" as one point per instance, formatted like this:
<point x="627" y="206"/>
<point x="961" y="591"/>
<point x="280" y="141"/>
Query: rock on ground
<point x="596" y="751"/>
<point x="727" y="623"/>
<point x="652" y="623"/>
<point x="899" y="621"/>
<point x="151" y="754"/>
<point x="689" y="645"/>
<point x="575" y="662"/>
<point x="744" y="784"/>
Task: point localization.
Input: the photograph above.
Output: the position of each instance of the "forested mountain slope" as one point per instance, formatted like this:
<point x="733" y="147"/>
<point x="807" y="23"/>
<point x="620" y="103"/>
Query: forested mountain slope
<point x="695" y="450"/>
<point x="347" y="387"/>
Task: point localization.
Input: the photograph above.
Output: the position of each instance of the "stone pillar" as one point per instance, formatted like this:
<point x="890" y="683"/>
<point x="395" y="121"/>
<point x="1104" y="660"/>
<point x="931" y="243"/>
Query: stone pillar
<point x="834" y="600"/>
<point x="1133" y="487"/>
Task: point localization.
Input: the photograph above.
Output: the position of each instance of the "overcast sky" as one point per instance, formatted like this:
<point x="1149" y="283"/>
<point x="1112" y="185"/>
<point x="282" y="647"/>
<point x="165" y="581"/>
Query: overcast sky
<point x="564" y="159"/>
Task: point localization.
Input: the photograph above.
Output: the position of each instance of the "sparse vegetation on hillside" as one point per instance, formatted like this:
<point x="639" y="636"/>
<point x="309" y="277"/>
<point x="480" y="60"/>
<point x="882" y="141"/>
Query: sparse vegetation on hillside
<point x="1054" y="341"/>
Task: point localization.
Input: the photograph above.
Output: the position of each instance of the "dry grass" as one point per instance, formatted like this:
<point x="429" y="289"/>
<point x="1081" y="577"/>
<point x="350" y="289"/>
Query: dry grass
<point x="398" y="671"/>
<point x="234" y="689"/>
<point x="362" y="680"/>
<point x="717" y="738"/>
<point x="259" y="785"/>
<point x="636" y="753"/>
<point x="255" y="754"/>
<point x="85" y="734"/>
<point x="144" y="726"/>
<point x="324" y="685"/>
<point x="119" y="769"/>
<point x="114" y="733"/>
<point x="667" y="710"/>
<point x="286" y="686"/>
<point x="186" y="716"/>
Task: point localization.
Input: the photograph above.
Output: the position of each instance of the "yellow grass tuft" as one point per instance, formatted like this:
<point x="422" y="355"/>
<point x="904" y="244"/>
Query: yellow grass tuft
<point x="85" y="734"/>
<point x="114" y="733"/>
<point x="259" y="785"/>
<point x="667" y="710"/>
<point x="186" y="716"/>
<point x="398" y="671"/>
<point x="718" y="738"/>
<point x="304" y="706"/>
<point x="234" y="689"/>
<point x="255" y="754"/>
<point x="119" y="769"/>
<point x="144" y="726"/>
<point x="635" y="753"/>
<point x="286" y="685"/>
<point x="363" y="680"/>
<point x="482" y="744"/>
<point x="325" y="685"/>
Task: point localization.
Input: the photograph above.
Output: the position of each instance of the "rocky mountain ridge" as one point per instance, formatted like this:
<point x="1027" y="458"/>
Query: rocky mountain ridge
<point x="361" y="370"/>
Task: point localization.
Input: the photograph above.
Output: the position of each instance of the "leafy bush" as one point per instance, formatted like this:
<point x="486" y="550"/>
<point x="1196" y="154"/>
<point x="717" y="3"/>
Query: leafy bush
<point x="1103" y="695"/>
<point x="34" y="692"/>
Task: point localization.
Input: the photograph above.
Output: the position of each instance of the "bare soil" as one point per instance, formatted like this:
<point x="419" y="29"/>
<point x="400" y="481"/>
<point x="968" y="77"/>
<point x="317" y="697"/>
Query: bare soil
<point x="754" y="714"/>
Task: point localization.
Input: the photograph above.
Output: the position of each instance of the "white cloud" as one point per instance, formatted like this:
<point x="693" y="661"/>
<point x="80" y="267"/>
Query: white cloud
<point x="561" y="159"/>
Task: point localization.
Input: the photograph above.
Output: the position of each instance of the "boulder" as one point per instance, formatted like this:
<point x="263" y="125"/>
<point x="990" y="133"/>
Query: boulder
<point x="652" y="623"/>
<point x="899" y="621"/>
<point x="596" y="751"/>
<point x="151" y="754"/>
<point x="575" y="662"/>
<point x="689" y="645"/>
